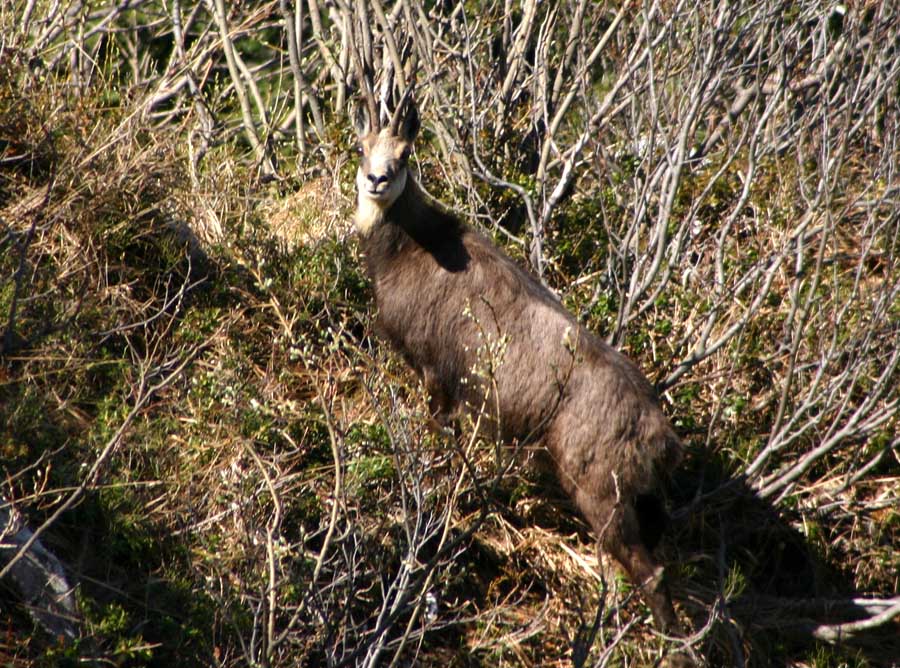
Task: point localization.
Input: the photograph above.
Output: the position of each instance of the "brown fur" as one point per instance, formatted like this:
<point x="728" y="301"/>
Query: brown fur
<point x="444" y="292"/>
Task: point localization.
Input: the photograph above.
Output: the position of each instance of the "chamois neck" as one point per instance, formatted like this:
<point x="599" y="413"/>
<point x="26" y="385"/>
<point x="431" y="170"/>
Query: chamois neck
<point x="420" y="216"/>
<point x="415" y="220"/>
<point x="410" y="208"/>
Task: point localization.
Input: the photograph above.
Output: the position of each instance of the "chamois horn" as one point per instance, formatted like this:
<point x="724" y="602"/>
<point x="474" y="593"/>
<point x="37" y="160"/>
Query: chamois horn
<point x="398" y="109"/>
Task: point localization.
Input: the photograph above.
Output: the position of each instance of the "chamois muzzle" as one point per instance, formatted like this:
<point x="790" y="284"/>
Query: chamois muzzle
<point x="377" y="183"/>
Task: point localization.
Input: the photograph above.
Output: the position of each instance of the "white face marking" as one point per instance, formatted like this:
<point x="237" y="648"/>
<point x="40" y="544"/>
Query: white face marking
<point x="380" y="179"/>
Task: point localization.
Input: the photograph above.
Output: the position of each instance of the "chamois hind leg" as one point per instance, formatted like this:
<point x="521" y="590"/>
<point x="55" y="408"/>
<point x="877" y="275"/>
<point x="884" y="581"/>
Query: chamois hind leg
<point x="619" y="535"/>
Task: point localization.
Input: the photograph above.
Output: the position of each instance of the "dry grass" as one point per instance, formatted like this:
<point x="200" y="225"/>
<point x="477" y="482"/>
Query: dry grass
<point x="316" y="211"/>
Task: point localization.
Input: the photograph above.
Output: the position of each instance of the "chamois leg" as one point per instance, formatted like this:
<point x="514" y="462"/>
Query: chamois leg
<point x="440" y="405"/>
<point x="623" y="543"/>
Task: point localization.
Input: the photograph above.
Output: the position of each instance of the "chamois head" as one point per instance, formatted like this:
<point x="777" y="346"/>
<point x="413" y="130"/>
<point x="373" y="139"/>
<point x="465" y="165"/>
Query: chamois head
<point x="384" y="153"/>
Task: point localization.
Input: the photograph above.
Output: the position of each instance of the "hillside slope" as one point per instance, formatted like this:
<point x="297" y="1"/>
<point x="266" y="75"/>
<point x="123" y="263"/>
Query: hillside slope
<point x="197" y="419"/>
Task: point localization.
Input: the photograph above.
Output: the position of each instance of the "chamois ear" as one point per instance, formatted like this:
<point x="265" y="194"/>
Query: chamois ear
<point x="410" y="126"/>
<point x="361" y="121"/>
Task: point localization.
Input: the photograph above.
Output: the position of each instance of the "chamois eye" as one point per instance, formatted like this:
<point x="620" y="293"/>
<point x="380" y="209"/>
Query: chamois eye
<point x="405" y="154"/>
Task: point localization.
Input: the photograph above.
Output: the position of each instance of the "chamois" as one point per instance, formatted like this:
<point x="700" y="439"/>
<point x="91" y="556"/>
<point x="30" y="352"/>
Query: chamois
<point x="444" y="291"/>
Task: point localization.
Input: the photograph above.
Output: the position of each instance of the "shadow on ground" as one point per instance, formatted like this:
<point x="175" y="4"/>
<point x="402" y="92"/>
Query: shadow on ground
<point x="774" y="589"/>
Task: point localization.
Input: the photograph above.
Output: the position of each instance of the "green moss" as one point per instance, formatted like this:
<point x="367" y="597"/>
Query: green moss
<point x="370" y="471"/>
<point x="824" y="656"/>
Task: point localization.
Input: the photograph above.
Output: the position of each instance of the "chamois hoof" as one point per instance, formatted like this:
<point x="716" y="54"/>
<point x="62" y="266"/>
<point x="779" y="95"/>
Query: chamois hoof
<point x="677" y="660"/>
